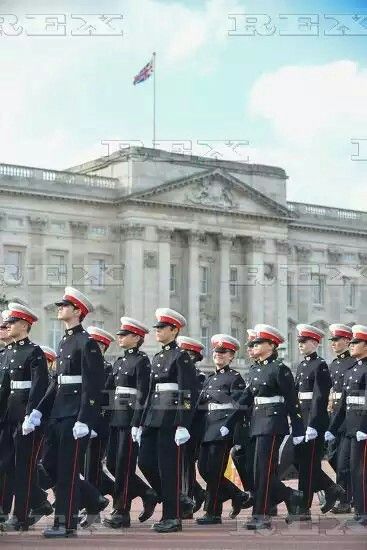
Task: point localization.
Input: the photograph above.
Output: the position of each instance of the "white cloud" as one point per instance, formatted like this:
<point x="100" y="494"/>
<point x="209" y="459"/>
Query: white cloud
<point x="314" y="112"/>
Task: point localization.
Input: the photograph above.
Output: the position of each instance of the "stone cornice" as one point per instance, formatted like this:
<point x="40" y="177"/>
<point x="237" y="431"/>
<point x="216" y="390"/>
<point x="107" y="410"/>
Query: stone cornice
<point x="327" y="229"/>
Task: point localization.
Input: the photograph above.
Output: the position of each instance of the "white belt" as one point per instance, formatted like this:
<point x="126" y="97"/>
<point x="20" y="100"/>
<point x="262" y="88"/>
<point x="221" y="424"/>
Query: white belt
<point x="69" y="379"/>
<point x="356" y="400"/>
<point x="20" y="384"/>
<point x="266" y="400"/>
<point x="166" y="386"/>
<point x="218" y="406"/>
<point x="336" y="395"/>
<point x="305" y="395"/>
<point x="126" y="389"/>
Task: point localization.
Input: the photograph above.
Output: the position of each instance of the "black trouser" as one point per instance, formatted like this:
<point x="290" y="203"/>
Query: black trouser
<point x="62" y="459"/>
<point x="213" y="459"/>
<point x="18" y="471"/>
<point x="339" y="459"/>
<point x="192" y="448"/>
<point x="268" y="487"/>
<point x="93" y="467"/>
<point x="122" y="455"/>
<point x="160" y="461"/>
<point x="311" y="477"/>
<point x="358" y="466"/>
<point x="243" y="456"/>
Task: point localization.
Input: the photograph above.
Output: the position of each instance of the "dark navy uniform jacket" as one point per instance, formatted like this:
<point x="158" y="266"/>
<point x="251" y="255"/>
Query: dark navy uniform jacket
<point x="338" y="368"/>
<point x="220" y="388"/>
<point x="313" y="376"/>
<point x="78" y="355"/>
<point x="354" y="414"/>
<point x="132" y="370"/>
<point x="272" y="379"/>
<point x="4" y="384"/>
<point x="25" y="362"/>
<point x="171" y="408"/>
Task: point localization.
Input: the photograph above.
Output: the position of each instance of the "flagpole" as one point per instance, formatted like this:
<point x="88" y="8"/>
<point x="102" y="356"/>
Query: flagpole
<point x="154" y="61"/>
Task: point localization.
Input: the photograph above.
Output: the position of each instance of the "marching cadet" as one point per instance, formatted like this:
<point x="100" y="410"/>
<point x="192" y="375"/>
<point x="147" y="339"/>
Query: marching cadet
<point x="27" y="367"/>
<point x="339" y="448"/>
<point x="243" y="452"/>
<point x="167" y="417"/>
<point x="217" y="399"/>
<point x="194" y="490"/>
<point x="352" y="410"/>
<point x="313" y="384"/>
<point x="271" y="391"/>
<point x="129" y="382"/>
<point x="72" y="403"/>
<point x="50" y="355"/>
<point x="93" y="466"/>
<point x="6" y="481"/>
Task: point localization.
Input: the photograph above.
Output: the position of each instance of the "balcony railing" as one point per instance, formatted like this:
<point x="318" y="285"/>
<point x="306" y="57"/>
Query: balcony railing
<point x="327" y="214"/>
<point x="56" y="176"/>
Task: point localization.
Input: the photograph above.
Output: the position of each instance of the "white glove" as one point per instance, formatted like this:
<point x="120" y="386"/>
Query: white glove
<point x="181" y="436"/>
<point x="298" y="439"/>
<point x="93" y="434"/>
<point x="134" y="433"/>
<point x="137" y="435"/>
<point x="224" y="431"/>
<point x="27" y="426"/>
<point x="35" y="417"/>
<point x="80" y="430"/>
<point x="311" y="434"/>
<point x="328" y="436"/>
<point x="361" y="436"/>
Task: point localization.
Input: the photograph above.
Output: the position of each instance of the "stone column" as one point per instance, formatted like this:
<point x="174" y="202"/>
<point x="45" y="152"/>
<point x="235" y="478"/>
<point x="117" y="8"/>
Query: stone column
<point x="133" y="235"/>
<point x="193" y="328"/>
<point x="164" y="252"/>
<point x="225" y="243"/>
<point x="282" y="249"/>
<point x="303" y="280"/>
<point x="255" y="281"/>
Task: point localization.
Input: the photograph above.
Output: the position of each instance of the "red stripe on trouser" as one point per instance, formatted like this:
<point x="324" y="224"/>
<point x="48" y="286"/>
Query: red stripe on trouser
<point x="310" y="488"/>
<point x="127" y="474"/>
<point x="76" y="453"/>
<point x="178" y="481"/>
<point x="221" y="472"/>
<point x="269" y="472"/>
<point x="39" y="448"/>
<point x="30" y="472"/>
<point x="364" y="478"/>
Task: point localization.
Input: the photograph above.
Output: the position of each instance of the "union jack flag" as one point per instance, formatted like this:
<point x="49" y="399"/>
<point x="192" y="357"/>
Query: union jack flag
<point x="145" y="73"/>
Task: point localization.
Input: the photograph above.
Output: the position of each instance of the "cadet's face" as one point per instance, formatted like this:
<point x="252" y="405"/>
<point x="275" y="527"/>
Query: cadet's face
<point x="263" y="350"/>
<point x="165" y="335"/>
<point x="359" y="350"/>
<point x="128" y="341"/>
<point x="251" y="352"/>
<point x="17" y="329"/>
<point x="67" y="313"/>
<point x="307" y="347"/>
<point x="222" y="359"/>
<point x="339" y="345"/>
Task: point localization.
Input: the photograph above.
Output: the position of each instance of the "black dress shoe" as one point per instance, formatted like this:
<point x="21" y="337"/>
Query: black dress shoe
<point x="273" y="511"/>
<point x="13" y="524"/>
<point x="93" y="517"/>
<point x="302" y="514"/>
<point x="59" y="532"/>
<point x="149" y="502"/>
<point x="187" y="507"/>
<point x="294" y="502"/>
<point x="207" y="519"/>
<point x="117" y="520"/>
<point x="331" y="496"/>
<point x="199" y="500"/>
<point x="167" y="526"/>
<point x="255" y="523"/>
<point x="45" y="509"/>
<point x="341" y="508"/>
<point x="356" y="521"/>
<point x="239" y="501"/>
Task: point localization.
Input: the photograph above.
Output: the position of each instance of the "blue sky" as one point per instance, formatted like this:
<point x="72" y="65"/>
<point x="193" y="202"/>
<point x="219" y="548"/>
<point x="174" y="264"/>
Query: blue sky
<point x="298" y="100"/>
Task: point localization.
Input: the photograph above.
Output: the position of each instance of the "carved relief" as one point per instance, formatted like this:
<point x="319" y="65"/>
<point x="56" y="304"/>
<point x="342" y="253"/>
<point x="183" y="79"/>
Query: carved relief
<point x="164" y="234"/>
<point x="303" y="251"/>
<point x="282" y="246"/>
<point x="79" y="228"/>
<point x="150" y="259"/>
<point x="211" y="193"/>
<point x="37" y="222"/>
